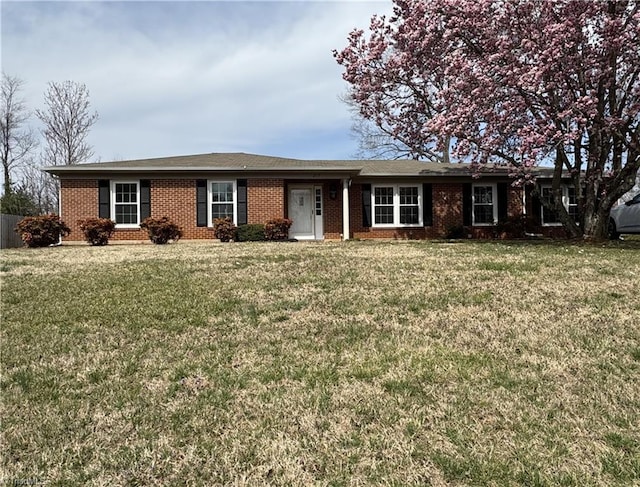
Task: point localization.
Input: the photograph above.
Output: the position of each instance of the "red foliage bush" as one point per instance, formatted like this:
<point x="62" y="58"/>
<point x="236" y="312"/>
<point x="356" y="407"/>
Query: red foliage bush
<point x="42" y="231"/>
<point x="161" y="230"/>
<point x="277" y="229"/>
<point x="224" y="229"/>
<point x="97" y="231"/>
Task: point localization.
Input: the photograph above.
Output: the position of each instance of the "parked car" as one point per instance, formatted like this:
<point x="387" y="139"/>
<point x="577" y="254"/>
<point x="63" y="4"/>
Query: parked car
<point x="625" y="218"/>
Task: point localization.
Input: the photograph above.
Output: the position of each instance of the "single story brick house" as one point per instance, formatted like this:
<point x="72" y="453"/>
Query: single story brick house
<point x="326" y="199"/>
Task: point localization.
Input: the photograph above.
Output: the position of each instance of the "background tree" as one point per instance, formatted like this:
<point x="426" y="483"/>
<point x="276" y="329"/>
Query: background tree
<point x="41" y="188"/>
<point x="18" y="202"/>
<point x="16" y="139"/>
<point x="379" y="142"/>
<point x="518" y="82"/>
<point x="67" y="120"/>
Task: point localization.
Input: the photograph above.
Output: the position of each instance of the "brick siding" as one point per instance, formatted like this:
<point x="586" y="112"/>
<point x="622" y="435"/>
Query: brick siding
<point x="267" y="199"/>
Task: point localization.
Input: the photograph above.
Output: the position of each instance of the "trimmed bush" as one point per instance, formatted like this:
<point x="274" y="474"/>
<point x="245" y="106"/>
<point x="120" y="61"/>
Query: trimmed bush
<point x="253" y="232"/>
<point x="161" y="230"/>
<point x="516" y="227"/>
<point x="277" y="229"/>
<point x="42" y="231"/>
<point x="97" y="231"/>
<point x="457" y="232"/>
<point x="224" y="229"/>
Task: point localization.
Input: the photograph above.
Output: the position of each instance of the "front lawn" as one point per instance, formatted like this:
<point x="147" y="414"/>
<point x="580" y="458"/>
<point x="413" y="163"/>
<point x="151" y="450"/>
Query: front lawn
<point x="358" y="363"/>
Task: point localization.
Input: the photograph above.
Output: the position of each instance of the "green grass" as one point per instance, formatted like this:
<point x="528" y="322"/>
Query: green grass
<point x="358" y="363"/>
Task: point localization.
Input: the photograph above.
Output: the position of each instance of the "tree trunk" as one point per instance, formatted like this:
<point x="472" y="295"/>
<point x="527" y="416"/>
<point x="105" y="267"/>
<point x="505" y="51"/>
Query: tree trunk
<point x="596" y="226"/>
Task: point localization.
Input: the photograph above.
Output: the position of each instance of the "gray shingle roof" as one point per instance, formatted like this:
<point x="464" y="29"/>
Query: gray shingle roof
<point x="241" y="162"/>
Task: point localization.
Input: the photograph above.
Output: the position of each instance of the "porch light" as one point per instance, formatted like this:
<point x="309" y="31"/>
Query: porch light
<point x="333" y="191"/>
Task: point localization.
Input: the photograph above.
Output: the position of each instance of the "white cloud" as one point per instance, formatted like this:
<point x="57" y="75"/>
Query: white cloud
<point x="181" y="77"/>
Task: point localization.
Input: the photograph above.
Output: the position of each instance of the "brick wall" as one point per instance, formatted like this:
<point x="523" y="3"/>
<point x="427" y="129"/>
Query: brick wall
<point x="78" y="200"/>
<point x="176" y="199"/>
<point x="332" y="209"/>
<point x="447" y="212"/>
<point x="266" y="200"/>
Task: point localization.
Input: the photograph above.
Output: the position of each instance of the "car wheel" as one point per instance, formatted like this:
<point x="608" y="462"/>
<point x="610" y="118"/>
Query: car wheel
<point x="612" y="232"/>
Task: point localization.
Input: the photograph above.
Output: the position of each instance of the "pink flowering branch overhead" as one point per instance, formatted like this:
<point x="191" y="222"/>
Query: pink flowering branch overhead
<point x="516" y="82"/>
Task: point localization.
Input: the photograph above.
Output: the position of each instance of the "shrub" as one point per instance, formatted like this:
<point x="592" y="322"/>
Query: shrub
<point x="277" y="229"/>
<point x="253" y="232"/>
<point x="457" y="232"/>
<point x="516" y="227"/>
<point x="42" y="231"/>
<point x="224" y="229"/>
<point x="97" y="231"/>
<point x="161" y="230"/>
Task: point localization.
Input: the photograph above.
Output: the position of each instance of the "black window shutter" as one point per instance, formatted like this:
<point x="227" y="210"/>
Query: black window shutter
<point x="427" y="205"/>
<point x="366" y="205"/>
<point x="503" y="201"/>
<point x="145" y="199"/>
<point x="467" y="204"/>
<point x="536" y="205"/>
<point x="104" y="205"/>
<point x="242" y="201"/>
<point x="201" y="202"/>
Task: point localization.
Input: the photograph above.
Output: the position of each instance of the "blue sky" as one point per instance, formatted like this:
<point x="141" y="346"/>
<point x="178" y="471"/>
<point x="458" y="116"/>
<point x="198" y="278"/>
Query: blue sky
<point x="171" y="78"/>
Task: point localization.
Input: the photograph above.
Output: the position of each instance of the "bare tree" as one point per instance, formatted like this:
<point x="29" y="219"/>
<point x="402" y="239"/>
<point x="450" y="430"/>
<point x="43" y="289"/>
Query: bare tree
<point x="41" y="188"/>
<point x="67" y="120"/>
<point x="16" y="141"/>
<point x="378" y="140"/>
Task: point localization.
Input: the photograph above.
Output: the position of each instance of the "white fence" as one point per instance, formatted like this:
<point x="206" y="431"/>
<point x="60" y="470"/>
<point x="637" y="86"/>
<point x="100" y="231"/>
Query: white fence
<point x="8" y="237"/>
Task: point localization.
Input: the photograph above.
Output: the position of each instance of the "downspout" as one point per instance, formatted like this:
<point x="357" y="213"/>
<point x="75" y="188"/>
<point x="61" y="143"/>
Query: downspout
<point x="345" y="209"/>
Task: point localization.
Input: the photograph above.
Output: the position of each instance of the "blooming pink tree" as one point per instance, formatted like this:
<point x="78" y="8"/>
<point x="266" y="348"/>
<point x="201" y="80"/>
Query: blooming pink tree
<point x="519" y="82"/>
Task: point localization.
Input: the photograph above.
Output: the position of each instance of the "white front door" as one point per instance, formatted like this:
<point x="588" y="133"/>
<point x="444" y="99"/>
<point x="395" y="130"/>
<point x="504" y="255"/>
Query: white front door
<point x="305" y="209"/>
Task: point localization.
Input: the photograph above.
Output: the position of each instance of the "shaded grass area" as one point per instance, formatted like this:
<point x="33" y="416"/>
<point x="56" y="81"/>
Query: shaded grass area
<point x="322" y="364"/>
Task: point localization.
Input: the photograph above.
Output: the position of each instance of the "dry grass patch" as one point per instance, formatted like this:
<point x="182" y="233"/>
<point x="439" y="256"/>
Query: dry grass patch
<point x="322" y="364"/>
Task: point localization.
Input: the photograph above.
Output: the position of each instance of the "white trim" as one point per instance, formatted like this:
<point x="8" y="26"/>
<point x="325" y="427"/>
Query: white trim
<point x="346" y="230"/>
<point x="494" y="203"/>
<point x="234" y="183"/>
<point x="396" y="205"/>
<point x="318" y="219"/>
<point x="113" y="203"/>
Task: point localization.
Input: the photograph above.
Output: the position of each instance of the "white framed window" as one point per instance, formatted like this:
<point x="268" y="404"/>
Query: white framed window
<point x="484" y="199"/>
<point x="549" y="217"/>
<point x="396" y="205"/>
<point x="125" y="203"/>
<point x="223" y="198"/>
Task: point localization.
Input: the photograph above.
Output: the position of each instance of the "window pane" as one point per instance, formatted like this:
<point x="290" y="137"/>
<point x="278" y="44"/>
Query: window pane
<point x="409" y="215"/>
<point x="222" y="192"/>
<point x="384" y="196"/>
<point x="573" y="212"/>
<point x="483" y="194"/>
<point x="549" y="216"/>
<point x="384" y="214"/>
<point x="126" y="193"/>
<point x="483" y="214"/>
<point x="126" y="214"/>
<point x="221" y="210"/>
<point x="409" y="196"/>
